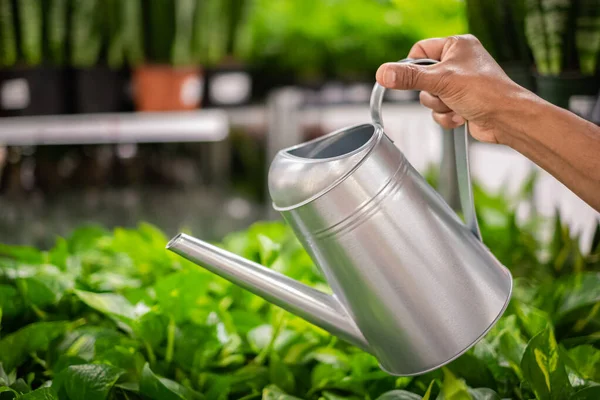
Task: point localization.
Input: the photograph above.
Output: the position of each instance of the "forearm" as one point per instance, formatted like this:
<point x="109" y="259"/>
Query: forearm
<point x="565" y="145"/>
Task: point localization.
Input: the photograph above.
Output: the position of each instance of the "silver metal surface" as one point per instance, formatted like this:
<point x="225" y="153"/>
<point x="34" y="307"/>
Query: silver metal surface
<point x="141" y="127"/>
<point x="412" y="284"/>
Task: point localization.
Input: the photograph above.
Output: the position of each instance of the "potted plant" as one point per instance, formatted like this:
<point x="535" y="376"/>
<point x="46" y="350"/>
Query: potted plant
<point x="170" y="77"/>
<point x="565" y="40"/>
<point x="105" y="35"/>
<point x="32" y="80"/>
<point x="500" y="26"/>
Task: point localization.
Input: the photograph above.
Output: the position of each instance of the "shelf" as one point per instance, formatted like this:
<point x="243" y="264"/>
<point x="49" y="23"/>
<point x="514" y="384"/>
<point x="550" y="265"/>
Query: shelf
<point x="139" y="127"/>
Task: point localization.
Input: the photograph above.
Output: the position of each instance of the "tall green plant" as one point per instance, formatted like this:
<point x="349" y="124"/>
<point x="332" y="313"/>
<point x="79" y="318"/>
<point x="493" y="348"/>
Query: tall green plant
<point x="556" y="18"/>
<point x="124" y="23"/>
<point x="182" y="52"/>
<point x="211" y="28"/>
<point x="86" y="32"/>
<point x="535" y="30"/>
<point x="8" y="41"/>
<point x="588" y="35"/>
<point x="159" y="30"/>
<point x="56" y="28"/>
<point x="30" y="29"/>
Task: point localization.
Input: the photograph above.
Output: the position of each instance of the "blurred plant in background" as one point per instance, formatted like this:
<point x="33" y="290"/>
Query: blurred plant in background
<point x="344" y="38"/>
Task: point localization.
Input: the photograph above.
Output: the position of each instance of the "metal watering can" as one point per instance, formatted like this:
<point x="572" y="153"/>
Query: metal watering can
<point x="412" y="284"/>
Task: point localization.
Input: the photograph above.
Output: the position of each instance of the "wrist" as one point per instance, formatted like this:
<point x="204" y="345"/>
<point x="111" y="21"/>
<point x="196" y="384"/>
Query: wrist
<point x="514" y="118"/>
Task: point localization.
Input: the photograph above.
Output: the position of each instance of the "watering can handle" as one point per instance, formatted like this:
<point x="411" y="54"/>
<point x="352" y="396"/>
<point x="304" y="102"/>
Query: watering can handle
<point x="461" y="151"/>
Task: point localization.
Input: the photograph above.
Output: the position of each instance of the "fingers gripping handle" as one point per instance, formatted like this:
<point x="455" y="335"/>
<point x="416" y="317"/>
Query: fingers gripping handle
<point x="461" y="150"/>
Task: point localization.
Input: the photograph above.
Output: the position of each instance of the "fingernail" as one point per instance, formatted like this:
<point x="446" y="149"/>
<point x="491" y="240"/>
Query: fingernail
<point x="389" y="76"/>
<point x="457" y="119"/>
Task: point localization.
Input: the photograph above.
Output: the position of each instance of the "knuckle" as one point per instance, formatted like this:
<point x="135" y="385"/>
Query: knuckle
<point x="409" y="76"/>
<point x="447" y="77"/>
<point x="443" y="120"/>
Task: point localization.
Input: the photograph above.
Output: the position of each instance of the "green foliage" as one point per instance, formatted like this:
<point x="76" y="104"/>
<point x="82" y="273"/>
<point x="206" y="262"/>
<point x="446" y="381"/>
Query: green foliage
<point x="500" y="26"/>
<point x="56" y="28"/>
<point x="30" y="25"/>
<point x="86" y="33"/>
<point x="113" y="315"/>
<point x="564" y="35"/>
<point x="8" y="41"/>
<point x="347" y="38"/>
<point x="125" y="32"/>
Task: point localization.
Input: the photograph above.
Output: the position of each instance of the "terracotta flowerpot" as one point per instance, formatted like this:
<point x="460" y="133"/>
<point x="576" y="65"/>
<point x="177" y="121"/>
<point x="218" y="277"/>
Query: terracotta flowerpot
<point x="167" y="88"/>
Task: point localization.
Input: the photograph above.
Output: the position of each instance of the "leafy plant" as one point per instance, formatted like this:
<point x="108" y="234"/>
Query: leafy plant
<point x="113" y="315"/>
<point x="56" y="30"/>
<point x="588" y="35"/>
<point x="172" y="30"/>
<point x="30" y="25"/>
<point x="564" y="35"/>
<point x="8" y="41"/>
<point x="125" y="32"/>
<point x="344" y="38"/>
<point x="500" y="26"/>
<point x="86" y="32"/>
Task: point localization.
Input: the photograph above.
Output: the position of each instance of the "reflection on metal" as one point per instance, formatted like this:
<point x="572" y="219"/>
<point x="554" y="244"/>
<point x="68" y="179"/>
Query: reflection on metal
<point x="196" y="126"/>
<point x="448" y="180"/>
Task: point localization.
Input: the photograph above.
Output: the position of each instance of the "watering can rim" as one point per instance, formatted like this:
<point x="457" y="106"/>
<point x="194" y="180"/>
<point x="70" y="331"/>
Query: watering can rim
<point x="365" y="148"/>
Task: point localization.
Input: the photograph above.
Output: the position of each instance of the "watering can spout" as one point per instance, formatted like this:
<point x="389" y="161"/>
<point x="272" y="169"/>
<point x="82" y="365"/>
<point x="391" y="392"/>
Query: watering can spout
<point x="308" y="303"/>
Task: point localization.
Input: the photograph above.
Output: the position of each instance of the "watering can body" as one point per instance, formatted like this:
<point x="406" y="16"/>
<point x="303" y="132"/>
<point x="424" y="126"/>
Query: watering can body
<point x="413" y="285"/>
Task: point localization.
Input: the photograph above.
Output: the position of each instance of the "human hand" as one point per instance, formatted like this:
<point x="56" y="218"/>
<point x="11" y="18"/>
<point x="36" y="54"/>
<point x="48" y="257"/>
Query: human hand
<point x="467" y="84"/>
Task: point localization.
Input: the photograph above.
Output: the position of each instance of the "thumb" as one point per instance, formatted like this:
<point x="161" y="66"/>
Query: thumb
<point x="406" y="76"/>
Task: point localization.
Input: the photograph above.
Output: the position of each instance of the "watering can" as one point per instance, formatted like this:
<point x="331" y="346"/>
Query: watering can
<point x="412" y="284"/>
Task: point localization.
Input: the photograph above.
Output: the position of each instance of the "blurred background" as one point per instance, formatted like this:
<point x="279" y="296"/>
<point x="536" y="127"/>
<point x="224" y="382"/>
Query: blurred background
<point x="170" y="111"/>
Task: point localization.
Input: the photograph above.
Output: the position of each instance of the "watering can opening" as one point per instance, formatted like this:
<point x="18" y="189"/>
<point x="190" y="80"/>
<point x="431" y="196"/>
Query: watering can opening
<point x="341" y="144"/>
<point x="300" y="174"/>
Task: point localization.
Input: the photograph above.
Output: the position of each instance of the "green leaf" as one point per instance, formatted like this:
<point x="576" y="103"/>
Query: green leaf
<point x="180" y="293"/>
<point x="399" y="395"/>
<point x="586" y="359"/>
<point x="15" y="347"/>
<point x="11" y="303"/>
<point x="543" y="368"/>
<point x="272" y="392"/>
<point x="159" y="388"/>
<point x="20" y="386"/>
<point x="454" y="388"/>
<point x="483" y="394"/>
<point x="581" y="290"/>
<point x="152" y="327"/>
<point x="108" y="303"/>
<point x="532" y="319"/>
<point x="280" y="374"/>
<point x="59" y="254"/>
<point x="331" y="356"/>
<point x="589" y="393"/>
<point x="46" y="287"/>
<point x="22" y="254"/>
<point x="45" y="393"/>
<point x="511" y="349"/>
<point x="473" y="370"/>
<point x="86" y="238"/>
<point x="267" y="249"/>
<point x="260" y="337"/>
<point x="88" y="381"/>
